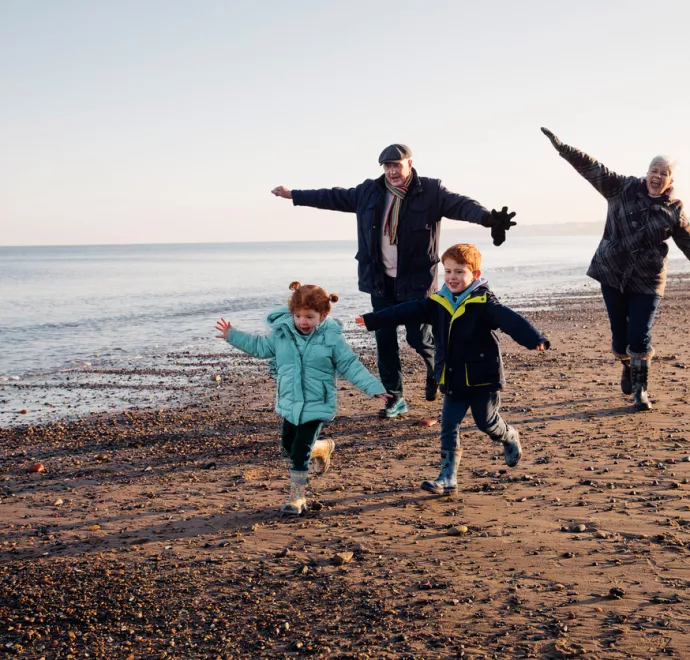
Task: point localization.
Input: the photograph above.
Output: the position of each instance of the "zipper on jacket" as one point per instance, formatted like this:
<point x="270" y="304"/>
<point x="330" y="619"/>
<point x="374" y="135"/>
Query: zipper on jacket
<point x="301" y="371"/>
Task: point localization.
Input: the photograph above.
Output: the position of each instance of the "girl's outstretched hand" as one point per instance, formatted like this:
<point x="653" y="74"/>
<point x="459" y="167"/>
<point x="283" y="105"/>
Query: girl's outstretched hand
<point x="223" y="327"/>
<point x="359" y="320"/>
<point x="383" y="396"/>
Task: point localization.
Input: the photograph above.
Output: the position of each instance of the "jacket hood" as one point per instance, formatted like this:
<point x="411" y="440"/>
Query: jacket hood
<point x="281" y="319"/>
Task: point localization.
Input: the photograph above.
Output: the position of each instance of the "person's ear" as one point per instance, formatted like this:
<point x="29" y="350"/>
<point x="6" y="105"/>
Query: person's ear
<point x="477" y="274"/>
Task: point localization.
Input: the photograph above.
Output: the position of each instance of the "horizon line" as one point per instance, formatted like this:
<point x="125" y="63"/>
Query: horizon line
<point x="550" y="226"/>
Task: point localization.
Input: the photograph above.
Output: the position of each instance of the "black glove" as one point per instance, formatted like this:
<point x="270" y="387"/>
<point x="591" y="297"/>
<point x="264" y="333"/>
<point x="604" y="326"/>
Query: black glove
<point x="554" y="140"/>
<point x="500" y="222"/>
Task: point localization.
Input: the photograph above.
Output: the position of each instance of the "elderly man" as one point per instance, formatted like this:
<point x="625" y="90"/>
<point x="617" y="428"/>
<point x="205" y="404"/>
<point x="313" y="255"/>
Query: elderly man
<point x="398" y="226"/>
<point x="630" y="262"/>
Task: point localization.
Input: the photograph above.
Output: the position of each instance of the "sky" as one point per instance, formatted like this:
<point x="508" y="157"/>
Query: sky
<point x="166" y="121"/>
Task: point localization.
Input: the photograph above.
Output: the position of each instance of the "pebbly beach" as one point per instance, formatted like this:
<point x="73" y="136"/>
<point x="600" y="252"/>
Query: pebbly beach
<point x="155" y="533"/>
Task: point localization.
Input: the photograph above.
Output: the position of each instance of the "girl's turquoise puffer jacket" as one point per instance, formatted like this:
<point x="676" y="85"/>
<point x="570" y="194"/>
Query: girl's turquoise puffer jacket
<point x="306" y="366"/>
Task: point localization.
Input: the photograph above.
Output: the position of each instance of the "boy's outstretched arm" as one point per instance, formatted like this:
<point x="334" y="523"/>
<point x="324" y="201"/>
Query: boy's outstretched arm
<point x="259" y="346"/>
<point x="407" y="312"/>
<point x="517" y="327"/>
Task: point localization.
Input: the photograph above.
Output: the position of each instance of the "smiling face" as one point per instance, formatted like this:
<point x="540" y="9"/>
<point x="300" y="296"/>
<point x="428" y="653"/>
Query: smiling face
<point x="658" y="178"/>
<point x="397" y="171"/>
<point x="306" y="320"/>
<point x="458" y="276"/>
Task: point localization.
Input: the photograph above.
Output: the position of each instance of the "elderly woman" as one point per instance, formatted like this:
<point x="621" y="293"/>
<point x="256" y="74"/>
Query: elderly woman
<point x="630" y="262"/>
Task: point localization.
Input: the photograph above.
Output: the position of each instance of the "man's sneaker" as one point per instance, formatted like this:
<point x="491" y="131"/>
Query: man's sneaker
<point x="512" y="450"/>
<point x="431" y="389"/>
<point x="394" y="408"/>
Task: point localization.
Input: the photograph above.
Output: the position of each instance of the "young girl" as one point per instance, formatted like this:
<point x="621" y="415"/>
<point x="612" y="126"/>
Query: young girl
<point x="308" y="349"/>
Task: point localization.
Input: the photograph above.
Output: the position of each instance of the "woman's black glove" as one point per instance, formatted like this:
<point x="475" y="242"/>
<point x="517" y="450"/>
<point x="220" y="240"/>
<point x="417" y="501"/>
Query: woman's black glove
<point x="554" y="140"/>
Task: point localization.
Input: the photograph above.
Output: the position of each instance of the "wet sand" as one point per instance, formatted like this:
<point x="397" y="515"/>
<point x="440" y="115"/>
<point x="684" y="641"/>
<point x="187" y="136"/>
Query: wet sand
<point x="156" y="534"/>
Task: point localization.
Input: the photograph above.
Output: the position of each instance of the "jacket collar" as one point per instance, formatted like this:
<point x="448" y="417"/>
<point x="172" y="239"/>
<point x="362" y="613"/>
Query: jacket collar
<point x="666" y="198"/>
<point x="413" y="188"/>
<point x="456" y="300"/>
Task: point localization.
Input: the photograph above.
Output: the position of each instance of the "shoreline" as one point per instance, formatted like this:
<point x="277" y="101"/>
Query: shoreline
<point x="155" y="533"/>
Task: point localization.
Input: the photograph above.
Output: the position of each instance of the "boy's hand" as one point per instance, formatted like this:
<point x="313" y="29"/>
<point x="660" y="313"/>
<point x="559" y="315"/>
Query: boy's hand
<point x="383" y="396"/>
<point x="282" y="191"/>
<point x="359" y="320"/>
<point x="554" y="140"/>
<point x="223" y="327"/>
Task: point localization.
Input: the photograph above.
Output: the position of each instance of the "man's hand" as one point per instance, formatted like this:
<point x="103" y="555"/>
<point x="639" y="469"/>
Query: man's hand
<point x="544" y="346"/>
<point x="359" y="320"/>
<point x="500" y="222"/>
<point x="554" y="140"/>
<point x="223" y="327"/>
<point x="282" y="191"/>
<point x="385" y="396"/>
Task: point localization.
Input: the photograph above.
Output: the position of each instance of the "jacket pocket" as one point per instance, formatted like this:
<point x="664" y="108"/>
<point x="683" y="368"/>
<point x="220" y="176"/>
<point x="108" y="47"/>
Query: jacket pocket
<point x="482" y="371"/>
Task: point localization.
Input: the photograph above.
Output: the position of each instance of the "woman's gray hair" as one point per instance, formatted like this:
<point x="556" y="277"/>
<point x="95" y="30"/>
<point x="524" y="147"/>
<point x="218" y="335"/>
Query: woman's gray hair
<point x="663" y="160"/>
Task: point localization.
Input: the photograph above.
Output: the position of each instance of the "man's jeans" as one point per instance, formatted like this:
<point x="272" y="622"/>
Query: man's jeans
<point x="631" y="316"/>
<point x="484" y="406"/>
<point x="418" y="336"/>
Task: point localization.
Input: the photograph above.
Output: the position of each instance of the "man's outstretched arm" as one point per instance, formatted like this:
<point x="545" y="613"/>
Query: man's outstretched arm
<point x="458" y="207"/>
<point x="330" y="199"/>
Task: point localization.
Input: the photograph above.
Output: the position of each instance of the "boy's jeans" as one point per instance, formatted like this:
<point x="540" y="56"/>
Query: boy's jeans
<point x="297" y="441"/>
<point x="484" y="405"/>
<point x="419" y="337"/>
<point x="631" y="316"/>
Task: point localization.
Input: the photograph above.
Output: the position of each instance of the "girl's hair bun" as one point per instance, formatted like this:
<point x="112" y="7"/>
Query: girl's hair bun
<point x="294" y="286"/>
<point x="333" y="297"/>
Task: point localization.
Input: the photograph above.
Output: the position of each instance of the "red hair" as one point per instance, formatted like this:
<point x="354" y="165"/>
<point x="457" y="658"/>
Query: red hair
<point x="464" y="253"/>
<point x="311" y="297"/>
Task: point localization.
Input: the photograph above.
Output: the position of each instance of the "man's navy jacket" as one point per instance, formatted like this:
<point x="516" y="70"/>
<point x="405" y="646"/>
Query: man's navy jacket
<point x="426" y="202"/>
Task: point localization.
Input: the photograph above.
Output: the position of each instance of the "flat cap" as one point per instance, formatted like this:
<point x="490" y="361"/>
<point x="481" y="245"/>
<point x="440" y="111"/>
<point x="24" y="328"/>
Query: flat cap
<point x="394" y="153"/>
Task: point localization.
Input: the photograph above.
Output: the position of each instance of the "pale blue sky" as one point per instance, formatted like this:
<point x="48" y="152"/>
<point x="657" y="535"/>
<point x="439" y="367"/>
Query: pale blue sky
<point x="169" y="121"/>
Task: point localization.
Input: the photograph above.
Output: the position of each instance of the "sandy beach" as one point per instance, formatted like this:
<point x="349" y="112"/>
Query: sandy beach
<point x="156" y="534"/>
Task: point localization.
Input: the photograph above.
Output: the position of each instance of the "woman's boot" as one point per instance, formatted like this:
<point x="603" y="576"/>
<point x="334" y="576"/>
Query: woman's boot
<point x="297" y="501"/>
<point x="626" y="378"/>
<point x="321" y="455"/>
<point x="639" y="370"/>
<point x="447" y="480"/>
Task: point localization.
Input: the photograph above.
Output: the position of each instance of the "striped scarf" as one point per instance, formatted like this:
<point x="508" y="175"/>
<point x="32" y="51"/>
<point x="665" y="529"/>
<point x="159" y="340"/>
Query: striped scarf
<point x="392" y="215"/>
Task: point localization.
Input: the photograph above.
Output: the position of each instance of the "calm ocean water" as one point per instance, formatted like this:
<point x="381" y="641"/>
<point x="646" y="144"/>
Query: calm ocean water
<point x="104" y="309"/>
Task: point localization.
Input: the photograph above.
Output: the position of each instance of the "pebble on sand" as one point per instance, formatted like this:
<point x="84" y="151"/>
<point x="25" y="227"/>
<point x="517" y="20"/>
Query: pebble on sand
<point x="37" y="467"/>
<point x="459" y="530"/>
<point x="341" y="558"/>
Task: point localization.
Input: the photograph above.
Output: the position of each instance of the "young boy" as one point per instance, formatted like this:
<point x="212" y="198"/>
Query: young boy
<point x="465" y="315"/>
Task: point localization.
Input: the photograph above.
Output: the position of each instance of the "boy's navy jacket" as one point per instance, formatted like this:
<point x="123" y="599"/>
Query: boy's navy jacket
<point x="426" y="203"/>
<point x="466" y="346"/>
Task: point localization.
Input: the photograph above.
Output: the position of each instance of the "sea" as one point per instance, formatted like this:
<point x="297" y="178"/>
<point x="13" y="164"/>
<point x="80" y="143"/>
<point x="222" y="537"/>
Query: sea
<point x="106" y="328"/>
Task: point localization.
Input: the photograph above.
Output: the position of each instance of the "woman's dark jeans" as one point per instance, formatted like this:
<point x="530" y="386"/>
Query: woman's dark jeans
<point x="631" y="316"/>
